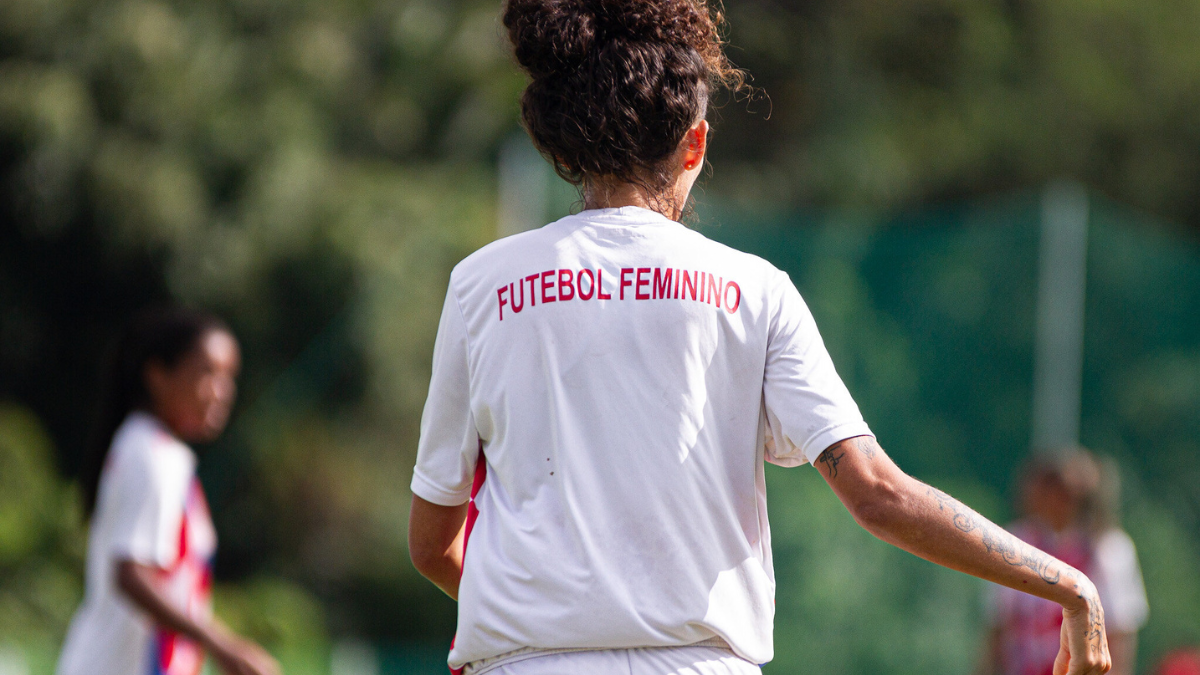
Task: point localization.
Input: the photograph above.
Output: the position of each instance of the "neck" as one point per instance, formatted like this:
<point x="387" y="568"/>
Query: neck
<point x="607" y="196"/>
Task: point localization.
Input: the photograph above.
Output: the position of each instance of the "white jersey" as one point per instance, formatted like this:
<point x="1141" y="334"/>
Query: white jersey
<point x="1118" y="579"/>
<point x="625" y="378"/>
<point x="150" y="509"/>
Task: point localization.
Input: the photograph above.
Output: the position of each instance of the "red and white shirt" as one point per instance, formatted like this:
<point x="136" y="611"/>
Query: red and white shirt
<point x="612" y="383"/>
<point x="150" y="509"/>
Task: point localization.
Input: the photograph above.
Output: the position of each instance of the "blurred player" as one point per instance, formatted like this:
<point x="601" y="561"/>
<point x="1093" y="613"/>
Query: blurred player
<point x="606" y="389"/>
<point x="1070" y="511"/>
<point x="146" y="607"/>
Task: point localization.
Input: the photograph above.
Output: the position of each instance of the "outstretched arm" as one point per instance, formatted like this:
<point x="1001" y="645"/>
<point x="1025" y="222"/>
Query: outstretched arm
<point x="931" y="524"/>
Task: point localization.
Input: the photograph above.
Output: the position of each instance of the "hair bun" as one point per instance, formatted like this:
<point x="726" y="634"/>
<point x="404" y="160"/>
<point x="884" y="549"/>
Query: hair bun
<point x="678" y="22"/>
<point x="616" y="83"/>
<point x="551" y="35"/>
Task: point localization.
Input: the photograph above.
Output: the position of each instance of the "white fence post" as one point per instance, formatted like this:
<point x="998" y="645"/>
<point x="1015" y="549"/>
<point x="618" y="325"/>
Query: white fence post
<point x="1062" y="290"/>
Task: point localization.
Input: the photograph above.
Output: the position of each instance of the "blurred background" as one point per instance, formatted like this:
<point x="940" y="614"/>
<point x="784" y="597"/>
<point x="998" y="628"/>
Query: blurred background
<point x="312" y="169"/>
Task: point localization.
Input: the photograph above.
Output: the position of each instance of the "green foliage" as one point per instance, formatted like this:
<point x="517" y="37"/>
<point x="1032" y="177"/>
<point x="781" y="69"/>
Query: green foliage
<point x="278" y="615"/>
<point x="1170" y="560"/>
<point x="30" y="498"/>
<point x="884" y="103"/>
<point x="40" y="540"/>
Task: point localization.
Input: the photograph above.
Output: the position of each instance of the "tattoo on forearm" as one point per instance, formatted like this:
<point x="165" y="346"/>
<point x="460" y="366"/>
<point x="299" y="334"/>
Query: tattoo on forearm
<point x="964" y="518"/>
<point x="1019" y="554"/>
<point x="1012" y="550"/>
<point x="867" y="446"/>
<point x="830" y="458"/>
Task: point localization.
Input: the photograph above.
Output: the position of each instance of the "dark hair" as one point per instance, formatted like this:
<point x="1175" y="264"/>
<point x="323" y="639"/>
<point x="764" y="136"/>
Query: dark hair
<point x="1093" y="482"/>
<point x="616" y="83"/>
<point x="165" y="335"/>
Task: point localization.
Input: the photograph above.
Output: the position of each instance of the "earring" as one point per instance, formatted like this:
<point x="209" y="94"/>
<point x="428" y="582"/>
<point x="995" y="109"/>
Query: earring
<point x="689" y="165"/>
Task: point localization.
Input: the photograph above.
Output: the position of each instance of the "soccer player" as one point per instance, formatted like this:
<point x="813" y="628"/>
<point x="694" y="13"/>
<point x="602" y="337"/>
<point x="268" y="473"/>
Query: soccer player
<point x="1068" y="504"/>
<point x="589" y="481"/>
<point x="146" y="607"/>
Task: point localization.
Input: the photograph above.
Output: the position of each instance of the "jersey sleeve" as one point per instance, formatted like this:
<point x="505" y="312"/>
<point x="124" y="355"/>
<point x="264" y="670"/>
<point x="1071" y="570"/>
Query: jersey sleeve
<point x="449" y="445"/>
<point x="150" y="494"/>
<point x="808" y="407"/>
<point x="1118" y="579"/>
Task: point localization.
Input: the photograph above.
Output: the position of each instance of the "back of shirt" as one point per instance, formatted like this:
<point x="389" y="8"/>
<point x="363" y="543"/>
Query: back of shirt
<point x="625" y="378"/>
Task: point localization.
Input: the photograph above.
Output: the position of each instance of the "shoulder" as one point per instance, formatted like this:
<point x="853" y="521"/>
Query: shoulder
<point x="700" y="241"/>
<point x="515" y="247"/>
<point x="144" y="449"/>
<point x="755" y="274"/>
<point x="1114" y="545"/>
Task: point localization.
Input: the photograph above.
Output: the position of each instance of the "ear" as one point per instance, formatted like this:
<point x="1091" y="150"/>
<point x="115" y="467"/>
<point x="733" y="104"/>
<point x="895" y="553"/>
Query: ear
<point x="695" y="145"/>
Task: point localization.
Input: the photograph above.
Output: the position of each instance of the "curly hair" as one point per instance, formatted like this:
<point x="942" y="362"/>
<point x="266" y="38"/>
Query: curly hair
<point x="616" y="83"/>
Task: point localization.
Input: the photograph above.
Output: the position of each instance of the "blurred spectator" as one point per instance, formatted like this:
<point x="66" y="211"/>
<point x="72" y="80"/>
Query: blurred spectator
<point x="1069" y="505"/>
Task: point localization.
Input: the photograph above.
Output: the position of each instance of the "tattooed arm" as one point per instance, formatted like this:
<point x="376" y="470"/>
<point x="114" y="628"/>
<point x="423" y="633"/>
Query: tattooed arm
<point x="933" y="525"/>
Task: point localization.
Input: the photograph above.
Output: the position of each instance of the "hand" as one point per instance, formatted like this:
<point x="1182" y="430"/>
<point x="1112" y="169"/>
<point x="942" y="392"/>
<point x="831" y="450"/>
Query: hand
<point x="237" y="656"/>
<point x="1084" y="646"/>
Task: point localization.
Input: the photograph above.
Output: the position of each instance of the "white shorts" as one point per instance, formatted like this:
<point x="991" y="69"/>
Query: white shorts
<point x="641" y="661"/>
